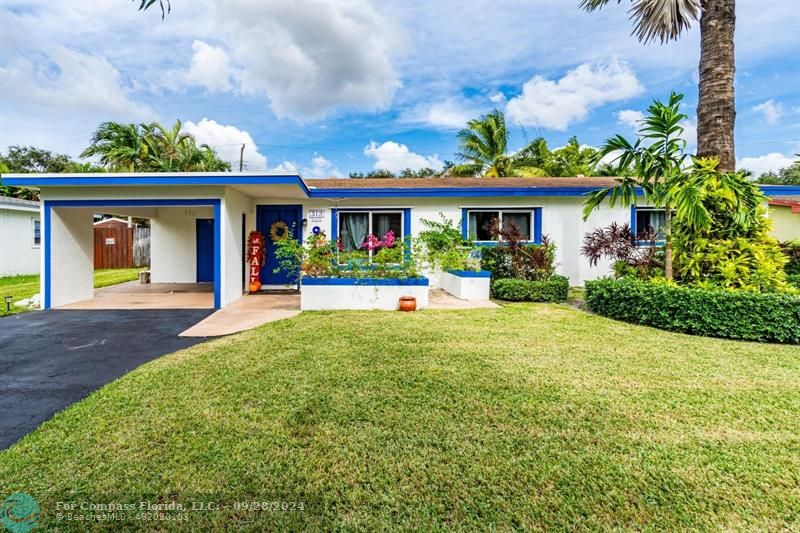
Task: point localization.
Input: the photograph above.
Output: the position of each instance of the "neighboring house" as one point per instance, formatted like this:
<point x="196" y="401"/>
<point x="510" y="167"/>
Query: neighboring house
<point x="20" y="237"/>
<point x="200" y="221"/>
<point x="785" y="215"/>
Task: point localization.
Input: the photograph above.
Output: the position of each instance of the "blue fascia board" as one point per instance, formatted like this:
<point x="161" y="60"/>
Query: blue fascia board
<point x="470" y="273"/>
<point x="421" y="281"/>
<point x="450" y="192"/>
<point x="36" y="180"/>
<point x="780" y="190"/>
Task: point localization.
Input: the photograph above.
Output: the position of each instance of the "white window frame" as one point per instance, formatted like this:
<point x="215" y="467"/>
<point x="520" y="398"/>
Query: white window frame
<point x="34" y="220"/>
<point x="370" y="212"/>
<point x="527" y="210"/>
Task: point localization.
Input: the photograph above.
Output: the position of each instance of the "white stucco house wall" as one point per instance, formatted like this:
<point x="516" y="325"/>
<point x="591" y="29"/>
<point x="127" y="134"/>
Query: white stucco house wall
<point x="20" y="236"/>
<point x="200" y="221"/>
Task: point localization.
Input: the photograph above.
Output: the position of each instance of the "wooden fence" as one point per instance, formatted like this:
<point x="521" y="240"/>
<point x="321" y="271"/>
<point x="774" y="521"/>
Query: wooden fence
<point x="120" y="246"/>
<point x="141" y="246"/>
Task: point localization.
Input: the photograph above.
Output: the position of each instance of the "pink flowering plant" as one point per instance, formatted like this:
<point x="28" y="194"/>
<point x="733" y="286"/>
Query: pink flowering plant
<point x="319" y="257"/>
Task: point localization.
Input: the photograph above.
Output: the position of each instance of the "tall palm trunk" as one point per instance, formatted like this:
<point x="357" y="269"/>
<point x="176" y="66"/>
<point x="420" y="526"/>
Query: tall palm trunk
<point x="668" y="243"/>
<point x="716" y="112"/>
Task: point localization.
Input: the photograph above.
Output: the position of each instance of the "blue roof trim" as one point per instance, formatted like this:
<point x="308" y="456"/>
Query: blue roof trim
<point x="450" y="192"/>
<point x="38" y="181"/>
<point x="365" y="281"/>
<point x="780" y="190"/>
<point x="44" y="180"/>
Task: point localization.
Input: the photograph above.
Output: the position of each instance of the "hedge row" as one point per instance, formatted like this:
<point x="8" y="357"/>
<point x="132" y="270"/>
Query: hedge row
<point x="553" y="289"/>
<point x="714" y="313"/>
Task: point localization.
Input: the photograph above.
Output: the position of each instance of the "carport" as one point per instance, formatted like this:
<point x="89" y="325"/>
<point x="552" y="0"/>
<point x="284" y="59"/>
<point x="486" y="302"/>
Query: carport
<point x="185" y="250"/>
<point x="199" y="225"/>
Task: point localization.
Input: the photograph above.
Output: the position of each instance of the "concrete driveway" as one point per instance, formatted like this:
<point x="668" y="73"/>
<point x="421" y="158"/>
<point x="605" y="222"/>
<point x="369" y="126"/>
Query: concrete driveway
<point x="51" y="359"/>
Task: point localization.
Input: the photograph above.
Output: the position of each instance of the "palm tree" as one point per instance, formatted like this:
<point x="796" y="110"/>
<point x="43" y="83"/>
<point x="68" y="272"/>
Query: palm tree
<point x="666" y="20"/>
<point x="484" y="150"/>
<point x="144" y="4"/>
<point x="152" y="148"/>
<point x="119" y="146"/>
<point x="658" y="161"/>
<point x="166" y="146"/>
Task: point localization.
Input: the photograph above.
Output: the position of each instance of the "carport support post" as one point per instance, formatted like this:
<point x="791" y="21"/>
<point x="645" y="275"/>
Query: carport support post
<point x="217" y="254"/>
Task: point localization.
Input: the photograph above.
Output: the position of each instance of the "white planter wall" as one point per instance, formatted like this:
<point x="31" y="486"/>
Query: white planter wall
<point x="343" y="294"/>
<point x="467" y="286"/>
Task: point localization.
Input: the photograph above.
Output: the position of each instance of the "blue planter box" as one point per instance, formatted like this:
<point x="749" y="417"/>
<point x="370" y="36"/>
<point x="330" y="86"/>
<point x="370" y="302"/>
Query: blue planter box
<point x="422" y="281"/>
<point x="471" y="273"/>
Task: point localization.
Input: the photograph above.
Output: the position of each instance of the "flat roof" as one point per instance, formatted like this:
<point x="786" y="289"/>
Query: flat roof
<point x="347" y="187"/>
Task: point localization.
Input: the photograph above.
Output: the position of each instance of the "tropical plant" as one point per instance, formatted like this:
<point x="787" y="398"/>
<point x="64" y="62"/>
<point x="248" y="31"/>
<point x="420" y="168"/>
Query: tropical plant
<point x="151" y="148"/>
<point x="441" y="246"/>
<point x="514" y="257"/>
<point x="483" y="150"/>
<point x="630" y="255"/>
<point x="657" y="158"/>
<point x="728" y="245"/>
<point x="118" y="146"/>
<point x="666" y="20"/>
<point x="164" y="4"/>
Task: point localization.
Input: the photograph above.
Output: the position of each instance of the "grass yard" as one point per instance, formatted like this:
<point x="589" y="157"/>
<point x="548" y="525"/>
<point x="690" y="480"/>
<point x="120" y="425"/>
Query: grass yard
<point x="22" y="287"/>
<point x="528" y="416"/>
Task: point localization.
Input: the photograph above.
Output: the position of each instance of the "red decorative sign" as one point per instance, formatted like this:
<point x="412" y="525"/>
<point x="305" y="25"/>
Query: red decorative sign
<point x="256" y="256"/>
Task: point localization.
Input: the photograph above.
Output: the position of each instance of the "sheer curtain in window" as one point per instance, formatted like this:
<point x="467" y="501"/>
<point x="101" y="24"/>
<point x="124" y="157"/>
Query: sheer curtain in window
<point x="353" y="227"/>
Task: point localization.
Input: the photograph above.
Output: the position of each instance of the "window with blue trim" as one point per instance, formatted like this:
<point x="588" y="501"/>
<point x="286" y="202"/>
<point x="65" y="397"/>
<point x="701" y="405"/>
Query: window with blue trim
<point x="355" y="228"/>
<point x="648" y="221"/>
<point x="480" y="222"/>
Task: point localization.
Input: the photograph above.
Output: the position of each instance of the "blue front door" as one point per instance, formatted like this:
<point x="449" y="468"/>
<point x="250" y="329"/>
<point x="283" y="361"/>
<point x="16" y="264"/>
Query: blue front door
<point x="205" y="250"/>
<point x="267" y="217"/>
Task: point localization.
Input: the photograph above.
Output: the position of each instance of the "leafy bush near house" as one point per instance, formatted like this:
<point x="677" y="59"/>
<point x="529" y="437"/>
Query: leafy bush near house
<point x="553" y="289"/>
<point x="792" y="252"/>
<point x="616" y="242"/>
<point x="733" y="250"/>
<point x="770" y="317"/>
<point x="319" y="257"/>
<point x="441" y="247"/>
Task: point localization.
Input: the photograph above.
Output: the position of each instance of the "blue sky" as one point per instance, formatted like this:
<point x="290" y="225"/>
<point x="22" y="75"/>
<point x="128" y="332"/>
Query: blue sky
<point x="326" y="88"/>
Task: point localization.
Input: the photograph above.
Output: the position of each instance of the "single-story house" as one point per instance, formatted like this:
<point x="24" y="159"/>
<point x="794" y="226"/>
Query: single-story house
<point x="200" y="221"/>
<point x="20" y="236"/>
<point x="785" y="215"/>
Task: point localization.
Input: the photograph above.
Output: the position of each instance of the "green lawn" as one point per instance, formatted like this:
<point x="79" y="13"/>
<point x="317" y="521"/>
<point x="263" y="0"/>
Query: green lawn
<point x="21" y="287"/>
<point x="528" y="416"/>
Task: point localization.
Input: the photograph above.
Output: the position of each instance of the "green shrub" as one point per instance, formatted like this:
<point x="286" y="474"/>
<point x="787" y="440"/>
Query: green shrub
<point x="770" y="317"/>
<point x="792" y="251"/>
<point x="553" y="289"/>
<point x="525" y="261"/>
<point x="793" y="280"/>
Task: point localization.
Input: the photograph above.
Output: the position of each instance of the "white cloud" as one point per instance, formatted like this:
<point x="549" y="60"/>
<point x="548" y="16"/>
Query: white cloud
<point x="630" y="118"/>
<point x="321" y="168"/>
<point x="63" y="78"/>
<point x="557" y="104"/>
<point x="210" y="67"/>
<point x="773" y="161"/>
<point x="772" y="112"/>
<point x="290" y="167"/>
<point x="227" y="141"/>
<point x="310" y="59"/>
<point x="449" y="114"/>
<point x="497" y="98"/>
<point x="396" y="157"/>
